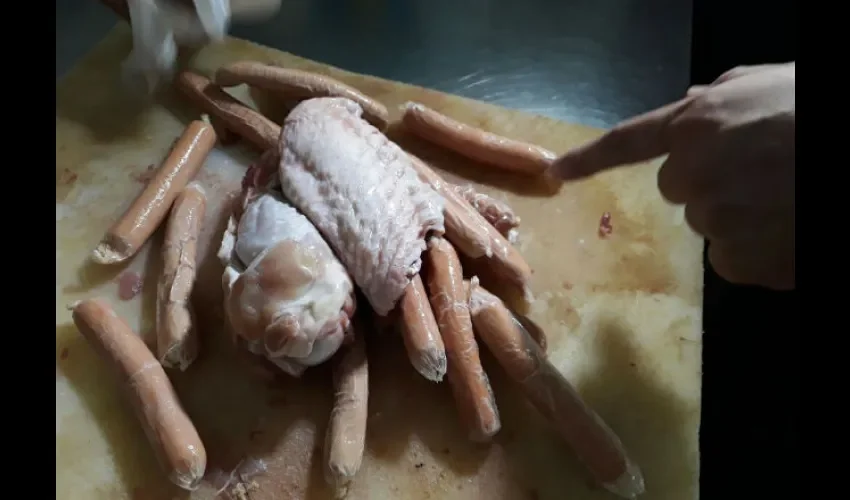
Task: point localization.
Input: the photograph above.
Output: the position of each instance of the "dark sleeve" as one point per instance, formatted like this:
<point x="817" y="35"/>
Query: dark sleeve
<point x="751" y="359"/>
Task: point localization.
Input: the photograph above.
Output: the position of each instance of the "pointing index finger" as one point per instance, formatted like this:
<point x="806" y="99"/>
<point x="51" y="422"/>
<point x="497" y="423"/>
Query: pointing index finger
<point x="638" y="139"/>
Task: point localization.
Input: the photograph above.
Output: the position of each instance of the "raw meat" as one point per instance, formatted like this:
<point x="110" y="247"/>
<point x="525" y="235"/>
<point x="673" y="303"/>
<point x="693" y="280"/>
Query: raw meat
<point x="361" y="192"/>
<point x="286" y="294"/>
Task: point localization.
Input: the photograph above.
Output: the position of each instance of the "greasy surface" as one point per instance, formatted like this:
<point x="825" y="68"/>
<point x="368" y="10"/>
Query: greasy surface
<point x="622" y="313"/>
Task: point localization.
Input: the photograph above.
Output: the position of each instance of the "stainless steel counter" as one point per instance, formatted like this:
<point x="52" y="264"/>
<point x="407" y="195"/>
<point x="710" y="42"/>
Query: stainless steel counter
<point x="589" y="61"/>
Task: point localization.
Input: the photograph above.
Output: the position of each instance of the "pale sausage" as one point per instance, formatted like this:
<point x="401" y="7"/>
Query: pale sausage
<point x="470" y="142"/>
<point x="236" y="116"/>
<point x="422" y="340"/>
<point x="177" y="339"/>
<point x="553" y="396"/>
<point x="144" y="216"/>
<point x="295" y="83"/>
<point x="169" y="430"/>
<point x="346" y="434"/>
<point x="537" y="334"/>
<point x="475" y="237"/>
<point x="465" y="228"/>
<point x="496" y="212"/>
<point x="470" y="385"/>
<point x="468" y="230"/>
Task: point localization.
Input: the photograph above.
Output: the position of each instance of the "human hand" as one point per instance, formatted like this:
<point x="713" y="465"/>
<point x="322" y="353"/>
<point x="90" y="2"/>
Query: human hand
<point x="161" y="26"/>
<point x="731" y="162"/>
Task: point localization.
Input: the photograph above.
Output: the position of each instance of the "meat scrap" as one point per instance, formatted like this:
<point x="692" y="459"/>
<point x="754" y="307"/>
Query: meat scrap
<point x="145" y="175"/>
<point x="67" y="177"/>
<point x="286" y="294"/>
<point x="361" y="192"/>
<point x="605" y="227"/>
<point x="129" y="285"/>
<point x="238" y="483"/>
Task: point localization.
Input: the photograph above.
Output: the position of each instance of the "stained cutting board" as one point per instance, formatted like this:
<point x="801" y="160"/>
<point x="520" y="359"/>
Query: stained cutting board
<point x="622" y="314"/>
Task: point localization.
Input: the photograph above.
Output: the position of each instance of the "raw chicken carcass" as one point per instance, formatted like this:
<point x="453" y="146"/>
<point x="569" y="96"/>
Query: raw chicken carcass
<point x="286" y="294"/>
<point x="361" y="192"/>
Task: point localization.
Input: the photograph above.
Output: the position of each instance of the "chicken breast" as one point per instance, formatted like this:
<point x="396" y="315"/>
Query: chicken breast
<point x="360" y="191"/>
<point x="286" y="294"/>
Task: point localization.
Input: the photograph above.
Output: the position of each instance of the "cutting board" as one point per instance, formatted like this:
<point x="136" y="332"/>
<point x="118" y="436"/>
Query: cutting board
<point x="622" y="313"/>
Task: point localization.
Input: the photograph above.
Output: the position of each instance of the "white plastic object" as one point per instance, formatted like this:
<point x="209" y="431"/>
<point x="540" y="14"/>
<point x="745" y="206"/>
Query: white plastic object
<point x="154" y="47"/>
<point x="214" y="16"/>
<point x="159" y="26"/>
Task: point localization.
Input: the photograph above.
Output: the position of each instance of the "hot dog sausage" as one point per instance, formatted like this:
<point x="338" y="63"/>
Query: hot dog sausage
<point x="169" y="430"/>
<point x="422" y="340"/>
<point x="496" y="212"/>
<point x="346" y="434"/>
<point x="485" y="147"/>
<point x="237" y="117"/>
<point x="475" y="237"/>
<point x="529" y="327"/>
<point x="225" y="136"/>
<point x="177" y="340"/>
<point x="508" y="266"/>
<point x="553" y="396"/>
<point x="465" y="228"/>
<point x="470" y="385"/>
<point x="469" y="230"/>
<point x="299" y="84"/>
<point x="139" y="222"/>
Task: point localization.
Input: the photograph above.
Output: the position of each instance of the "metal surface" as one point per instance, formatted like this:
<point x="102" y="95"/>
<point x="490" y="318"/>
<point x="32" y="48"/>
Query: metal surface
<point x="594" y="62"/>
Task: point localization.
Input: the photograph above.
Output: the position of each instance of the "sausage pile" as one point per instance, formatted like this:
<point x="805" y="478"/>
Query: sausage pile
<point x="331" y="211"/>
